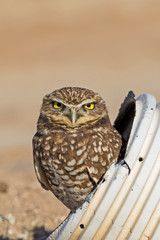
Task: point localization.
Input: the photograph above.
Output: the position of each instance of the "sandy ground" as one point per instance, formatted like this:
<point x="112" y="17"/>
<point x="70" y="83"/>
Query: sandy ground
<point x="111" y="47"/>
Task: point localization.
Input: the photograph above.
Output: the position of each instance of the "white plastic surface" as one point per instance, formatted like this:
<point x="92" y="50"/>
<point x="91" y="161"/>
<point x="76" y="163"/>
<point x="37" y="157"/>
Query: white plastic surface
<point x="125" y="206"/>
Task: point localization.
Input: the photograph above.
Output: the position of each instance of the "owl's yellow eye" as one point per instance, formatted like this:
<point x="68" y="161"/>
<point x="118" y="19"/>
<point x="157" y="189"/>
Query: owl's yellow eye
<point x="89" y="106"/>
<point x="57" y="105"/>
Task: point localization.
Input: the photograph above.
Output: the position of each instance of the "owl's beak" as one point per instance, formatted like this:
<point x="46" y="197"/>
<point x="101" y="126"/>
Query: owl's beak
<point x="74" y="116"/>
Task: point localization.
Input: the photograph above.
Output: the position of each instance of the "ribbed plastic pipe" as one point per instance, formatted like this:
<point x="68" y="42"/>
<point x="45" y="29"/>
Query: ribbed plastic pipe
<point x="125" y="206"/>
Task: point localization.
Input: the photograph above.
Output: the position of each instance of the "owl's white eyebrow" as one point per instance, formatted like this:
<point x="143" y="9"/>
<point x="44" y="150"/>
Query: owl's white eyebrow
<point x="81" y="104"/>
<point x="85" y="102"/>
<point x="59" y="101"/>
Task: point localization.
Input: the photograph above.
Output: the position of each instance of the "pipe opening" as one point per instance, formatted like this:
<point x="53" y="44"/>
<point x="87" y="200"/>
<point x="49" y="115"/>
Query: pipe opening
<point x="124" y="121"/>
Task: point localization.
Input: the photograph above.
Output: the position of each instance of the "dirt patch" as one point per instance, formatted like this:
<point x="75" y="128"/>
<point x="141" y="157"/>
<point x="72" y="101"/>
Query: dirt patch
<point x="26" y="210"/>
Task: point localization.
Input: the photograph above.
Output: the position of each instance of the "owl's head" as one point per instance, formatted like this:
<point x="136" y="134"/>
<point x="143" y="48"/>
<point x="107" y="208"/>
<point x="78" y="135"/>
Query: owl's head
<point x="73" y="107"/>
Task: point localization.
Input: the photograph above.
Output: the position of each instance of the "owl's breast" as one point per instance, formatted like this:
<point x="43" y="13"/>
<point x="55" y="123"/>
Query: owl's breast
<point x="63" y="161"/>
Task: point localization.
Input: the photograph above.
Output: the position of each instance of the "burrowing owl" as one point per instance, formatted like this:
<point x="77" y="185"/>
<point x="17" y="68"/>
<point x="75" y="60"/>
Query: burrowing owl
<point x="74" y="145"/>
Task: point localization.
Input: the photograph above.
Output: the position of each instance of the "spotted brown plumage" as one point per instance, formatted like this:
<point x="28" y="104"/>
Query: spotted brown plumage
<point x="74" y="145"/>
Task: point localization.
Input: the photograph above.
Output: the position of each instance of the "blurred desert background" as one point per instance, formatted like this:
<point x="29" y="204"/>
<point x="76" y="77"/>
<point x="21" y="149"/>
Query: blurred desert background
<point x="110" y="47"/>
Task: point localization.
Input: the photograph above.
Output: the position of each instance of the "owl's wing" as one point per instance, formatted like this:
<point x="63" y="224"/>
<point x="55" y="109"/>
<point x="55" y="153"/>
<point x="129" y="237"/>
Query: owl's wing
<point x="103" y="153"/>
<point x="41" y="176"/>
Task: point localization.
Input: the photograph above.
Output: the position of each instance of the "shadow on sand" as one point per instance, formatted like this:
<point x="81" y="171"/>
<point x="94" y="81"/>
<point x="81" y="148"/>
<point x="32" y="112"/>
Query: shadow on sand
<point x="36" y="234"/>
